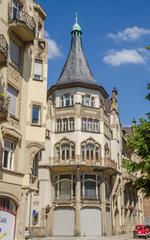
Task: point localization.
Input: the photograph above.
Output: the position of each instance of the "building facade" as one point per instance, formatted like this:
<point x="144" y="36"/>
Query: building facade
<point x="23" y="87"/>
<point x="83" y="190"/>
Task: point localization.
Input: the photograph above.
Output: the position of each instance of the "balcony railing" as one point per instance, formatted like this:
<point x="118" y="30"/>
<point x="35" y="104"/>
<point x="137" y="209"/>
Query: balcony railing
<point x="4" y="102"/>
<point x="129" y="176"/>
<point x="3" y="49"/>
<point x="79" y="161"/>
<point x="108" y="162"/>
<point x="25" y="24"/>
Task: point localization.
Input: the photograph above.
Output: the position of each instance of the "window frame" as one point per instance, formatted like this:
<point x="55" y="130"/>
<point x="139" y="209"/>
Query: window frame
<point x="10" y="156"/>
<point x="17" y="63"/>
<point x="67" y="100"/>
<point x="16" y="97"/>
<point x="40" y="62"/>
<point x="39" y="117"/>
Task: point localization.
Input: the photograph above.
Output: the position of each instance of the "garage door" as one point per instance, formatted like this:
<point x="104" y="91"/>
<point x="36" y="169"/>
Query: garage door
<point x="63" y="224"/>
<point x="91" y="222"/>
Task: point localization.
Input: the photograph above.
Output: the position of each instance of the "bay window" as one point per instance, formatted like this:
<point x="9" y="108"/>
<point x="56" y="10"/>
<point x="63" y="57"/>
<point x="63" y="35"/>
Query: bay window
<point x="90" y="151"/>
<point x="90" y="125"/>
<point x="67" y="100"/>
<point x="88" y="100"/>
<point x="65" y="125"/>
<point x="65" y="150"/>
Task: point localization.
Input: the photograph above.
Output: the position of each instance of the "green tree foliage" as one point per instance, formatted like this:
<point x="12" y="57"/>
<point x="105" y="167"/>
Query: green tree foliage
<point x="139" y="142"/>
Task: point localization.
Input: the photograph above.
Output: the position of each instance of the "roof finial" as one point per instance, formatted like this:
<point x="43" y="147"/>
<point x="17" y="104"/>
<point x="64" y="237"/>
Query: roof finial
<point x="76" y="17"/>
<point x="76" y="29"/>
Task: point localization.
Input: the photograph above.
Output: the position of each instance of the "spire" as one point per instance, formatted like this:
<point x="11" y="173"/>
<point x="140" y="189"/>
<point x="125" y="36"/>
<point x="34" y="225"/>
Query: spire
<point x="76" y="68"/>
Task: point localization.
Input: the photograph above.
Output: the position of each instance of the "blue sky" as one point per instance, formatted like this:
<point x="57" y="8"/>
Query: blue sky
<point x="115" y="33"/>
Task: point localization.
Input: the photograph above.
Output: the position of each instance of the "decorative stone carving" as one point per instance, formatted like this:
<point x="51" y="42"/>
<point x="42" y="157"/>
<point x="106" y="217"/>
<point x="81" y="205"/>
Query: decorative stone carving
<point x="14" y="76"/>
<point x="33" y="149"/>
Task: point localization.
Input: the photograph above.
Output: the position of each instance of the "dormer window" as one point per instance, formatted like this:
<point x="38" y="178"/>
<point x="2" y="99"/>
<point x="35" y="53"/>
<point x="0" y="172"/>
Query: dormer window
<point x="67" y="100"/>
<point x="88" y="100"/>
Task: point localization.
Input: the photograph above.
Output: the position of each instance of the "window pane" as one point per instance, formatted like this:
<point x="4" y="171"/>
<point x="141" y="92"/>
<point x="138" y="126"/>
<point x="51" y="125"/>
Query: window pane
<point x="87" y="100"/>
<point x="15" y="53"/>
<point x="5" y="162"/>
<point x="12" y="93"/>
<point x="38" y="70"/>
<point x="36" y="114"/>
<point x="65" y="190"/>
<point x="90" y="190"/>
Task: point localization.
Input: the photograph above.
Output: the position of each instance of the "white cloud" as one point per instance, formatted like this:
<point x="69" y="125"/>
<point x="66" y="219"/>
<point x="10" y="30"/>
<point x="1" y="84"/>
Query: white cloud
<point x="125" y="56"/>
<point x="129" y="34"/>
<point x="53" y="49"/>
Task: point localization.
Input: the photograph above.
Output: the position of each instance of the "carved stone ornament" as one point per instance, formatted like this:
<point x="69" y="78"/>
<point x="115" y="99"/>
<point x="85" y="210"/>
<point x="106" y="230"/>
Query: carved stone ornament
<point x="33" y="149"/>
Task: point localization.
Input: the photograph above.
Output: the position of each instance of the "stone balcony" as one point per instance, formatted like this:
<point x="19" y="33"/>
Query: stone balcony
<point x="110" y="163"/>
<point x="129" y="176"/>
<point x="22" y="24"/>
<point x="101" y="163"/>
<point x="3" y="50"/>
<point x="4" y="103"/>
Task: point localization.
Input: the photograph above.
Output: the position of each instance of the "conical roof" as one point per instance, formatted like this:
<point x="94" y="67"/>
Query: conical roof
<point x="76" y="68"/>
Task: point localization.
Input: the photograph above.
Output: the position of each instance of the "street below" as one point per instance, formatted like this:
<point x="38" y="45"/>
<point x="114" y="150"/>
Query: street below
<point x="119" y="237"/>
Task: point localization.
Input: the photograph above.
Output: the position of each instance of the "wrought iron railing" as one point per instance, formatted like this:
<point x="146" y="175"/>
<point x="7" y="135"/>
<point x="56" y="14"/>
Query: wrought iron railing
<point x="3" y="46"/>
<point x="4" y="102"/>
<point x="22" y="17"/>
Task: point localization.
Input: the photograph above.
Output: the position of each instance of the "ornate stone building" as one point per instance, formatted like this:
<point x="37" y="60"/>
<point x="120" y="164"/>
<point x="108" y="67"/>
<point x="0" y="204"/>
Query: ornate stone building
<point x="23" y="87"/>
<point x="83" y="190"/>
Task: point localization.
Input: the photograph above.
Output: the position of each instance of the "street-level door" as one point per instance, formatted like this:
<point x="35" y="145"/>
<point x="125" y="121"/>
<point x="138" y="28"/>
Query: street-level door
<point x="108" y="222"/>
<point x="63" y="223"/>
<point x="91" y="222"/>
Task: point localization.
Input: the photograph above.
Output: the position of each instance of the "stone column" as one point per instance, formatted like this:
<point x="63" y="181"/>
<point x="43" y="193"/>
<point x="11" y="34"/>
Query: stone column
<point x="77" y="230"/>
<point x="21" y="216"/>
<point x="103" y="205"/>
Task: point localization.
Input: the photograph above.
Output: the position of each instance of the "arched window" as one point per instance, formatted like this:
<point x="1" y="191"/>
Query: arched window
<point x="90" y="150"/>
<point x="65" y="150"/>
<point x="65" y="187"/>
<point x="7" y="204"/>
<point x="35" y="164"/>
<point x="90" y="186"/>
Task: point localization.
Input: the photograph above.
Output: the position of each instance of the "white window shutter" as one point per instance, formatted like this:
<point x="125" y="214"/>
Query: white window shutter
<point x="37" y="69"/>
<point x="12" y="93"/>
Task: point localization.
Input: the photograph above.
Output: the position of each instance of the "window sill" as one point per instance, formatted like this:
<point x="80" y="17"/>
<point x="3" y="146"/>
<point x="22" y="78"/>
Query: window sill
<point x="37" y="80"/>
<point x="65" y="131"/>
<point x="14" y="117"/>
<point x="11" y="171"/>
<point x="98" y="132"/>
<point x="91" y="107"/>
<point x="35" y="125"/>
<point x="65" y="107"/>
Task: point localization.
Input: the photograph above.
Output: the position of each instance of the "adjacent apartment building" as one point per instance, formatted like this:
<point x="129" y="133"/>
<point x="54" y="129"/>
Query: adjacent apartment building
<point x="23" y="87"/>
<point x="83" y="189"/>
